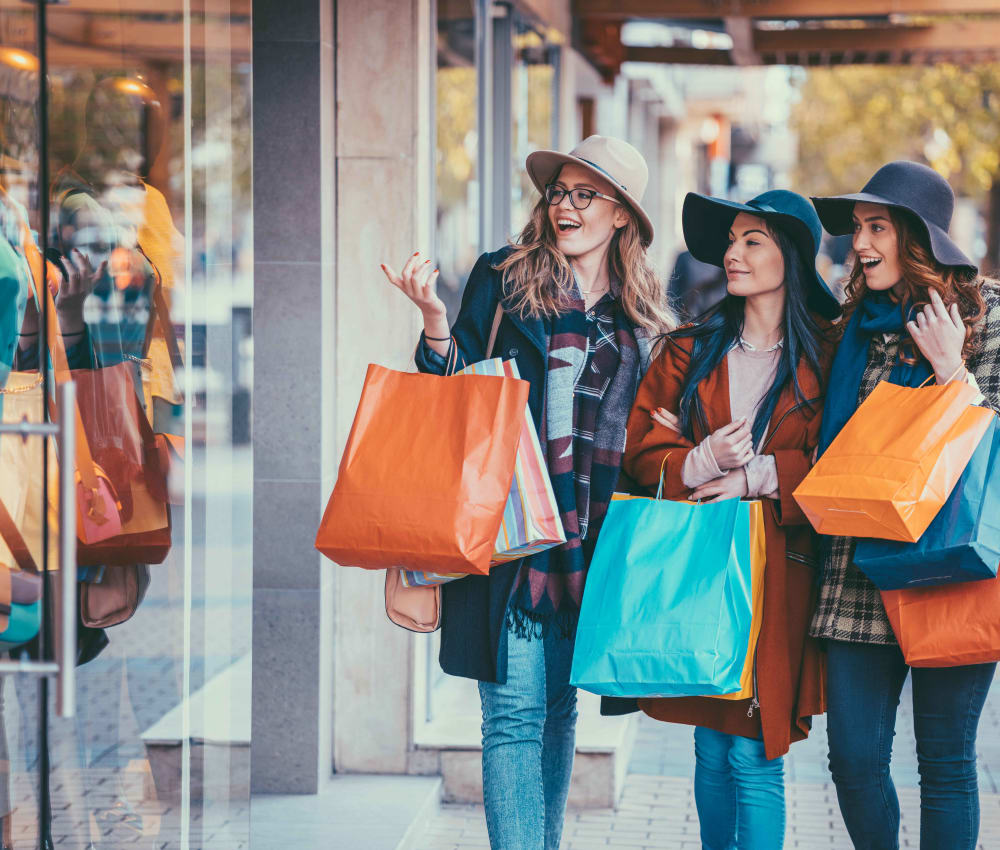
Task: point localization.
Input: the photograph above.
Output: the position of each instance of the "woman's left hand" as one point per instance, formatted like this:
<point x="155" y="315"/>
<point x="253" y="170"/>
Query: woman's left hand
<point x="939" y="333"/>
<point x="664" y="417"/>
<point x="732" y="485"/>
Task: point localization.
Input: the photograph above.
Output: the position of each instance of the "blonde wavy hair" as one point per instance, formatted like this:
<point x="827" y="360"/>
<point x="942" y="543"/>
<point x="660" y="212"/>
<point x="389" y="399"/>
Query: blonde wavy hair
<point x="538" y="279"/>
<point x="921" y="274"/>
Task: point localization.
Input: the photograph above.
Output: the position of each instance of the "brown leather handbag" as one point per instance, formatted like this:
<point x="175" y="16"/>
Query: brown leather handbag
<point x="115" y="598"/>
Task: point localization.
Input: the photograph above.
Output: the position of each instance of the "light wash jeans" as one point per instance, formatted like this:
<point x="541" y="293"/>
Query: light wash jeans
<point x="529" y="737"/>
<point x="740" y="794"/>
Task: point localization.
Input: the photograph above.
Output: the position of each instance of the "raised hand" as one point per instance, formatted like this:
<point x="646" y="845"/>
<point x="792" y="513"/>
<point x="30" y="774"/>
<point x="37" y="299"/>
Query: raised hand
<point x="939" y="333"/>
<point x="417" y="282"/>
<point x="79" y="280"/>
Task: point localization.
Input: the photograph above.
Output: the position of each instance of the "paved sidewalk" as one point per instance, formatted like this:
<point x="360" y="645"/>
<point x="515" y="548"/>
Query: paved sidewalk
<point x="657" y="811"/>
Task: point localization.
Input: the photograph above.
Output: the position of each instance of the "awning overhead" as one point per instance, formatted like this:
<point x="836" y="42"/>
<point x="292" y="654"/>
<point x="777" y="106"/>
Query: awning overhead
<point x="789" y="32"/>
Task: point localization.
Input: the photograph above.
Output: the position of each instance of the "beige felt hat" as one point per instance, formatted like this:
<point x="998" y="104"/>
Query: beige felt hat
<point x="611" y="159"/>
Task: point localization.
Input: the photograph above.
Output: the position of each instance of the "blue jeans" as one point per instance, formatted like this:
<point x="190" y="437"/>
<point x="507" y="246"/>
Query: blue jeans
<point x="864" y="682"/>
<point x="529" y="738"/>
<point x="740" y="794"/>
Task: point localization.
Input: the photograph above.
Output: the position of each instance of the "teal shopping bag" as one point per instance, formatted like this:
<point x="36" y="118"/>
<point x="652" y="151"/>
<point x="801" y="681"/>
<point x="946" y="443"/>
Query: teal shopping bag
<point x="668" y="608"/>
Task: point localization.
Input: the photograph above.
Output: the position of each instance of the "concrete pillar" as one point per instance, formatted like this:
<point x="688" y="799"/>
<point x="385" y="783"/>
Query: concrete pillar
<point x="294" y="383"/>
<point x="384" y="176"/>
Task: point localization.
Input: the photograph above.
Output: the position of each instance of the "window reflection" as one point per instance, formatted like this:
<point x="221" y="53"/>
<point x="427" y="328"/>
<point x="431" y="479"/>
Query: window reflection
<point x="533" y="99"/>
<point x="148" y="264"/>
<point x="457" y="222"/>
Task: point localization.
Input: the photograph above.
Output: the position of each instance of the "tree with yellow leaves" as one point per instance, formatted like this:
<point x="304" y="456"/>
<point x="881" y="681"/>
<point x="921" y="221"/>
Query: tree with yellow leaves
<point x="852" y="119"/>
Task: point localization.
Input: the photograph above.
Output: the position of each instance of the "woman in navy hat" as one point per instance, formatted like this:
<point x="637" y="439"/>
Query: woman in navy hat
<point x="917" y="307"/>
<point x="746" y="382"/>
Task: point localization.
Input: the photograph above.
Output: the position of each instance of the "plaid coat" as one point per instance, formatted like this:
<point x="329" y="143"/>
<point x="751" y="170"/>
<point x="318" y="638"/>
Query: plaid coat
<point x="850" y="607"/>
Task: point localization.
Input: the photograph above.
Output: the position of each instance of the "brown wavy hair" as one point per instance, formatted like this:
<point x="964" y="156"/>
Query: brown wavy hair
<point x="921" y="274"/>
<point x="538" y="279"/>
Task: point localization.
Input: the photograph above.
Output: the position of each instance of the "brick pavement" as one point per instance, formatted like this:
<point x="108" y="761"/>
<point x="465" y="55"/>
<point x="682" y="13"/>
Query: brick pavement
<point x="657" y="811"/>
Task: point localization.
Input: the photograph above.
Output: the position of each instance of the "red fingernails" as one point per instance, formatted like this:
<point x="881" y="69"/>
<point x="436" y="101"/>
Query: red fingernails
<point x="436" y="271"/>
<point x="415" y="253"/>
<point x="382" y="266"/>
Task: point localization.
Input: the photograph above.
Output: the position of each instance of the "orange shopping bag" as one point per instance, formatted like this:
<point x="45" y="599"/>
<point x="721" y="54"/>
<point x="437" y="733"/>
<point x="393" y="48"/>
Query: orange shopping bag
<point x="895" y="462"/>
<point x="426" y="471"/>
<point x="949" y="625"/>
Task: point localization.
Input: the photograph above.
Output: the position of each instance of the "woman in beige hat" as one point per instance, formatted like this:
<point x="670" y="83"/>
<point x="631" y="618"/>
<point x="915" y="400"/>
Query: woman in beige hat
<point x="575" y="303"/>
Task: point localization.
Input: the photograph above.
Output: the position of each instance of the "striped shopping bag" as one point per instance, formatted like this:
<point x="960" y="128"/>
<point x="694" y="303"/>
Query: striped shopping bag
<point x="531" y="520"/>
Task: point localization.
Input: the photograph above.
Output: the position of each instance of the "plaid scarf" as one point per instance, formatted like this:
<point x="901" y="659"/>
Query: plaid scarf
<point x="592" y="374"/>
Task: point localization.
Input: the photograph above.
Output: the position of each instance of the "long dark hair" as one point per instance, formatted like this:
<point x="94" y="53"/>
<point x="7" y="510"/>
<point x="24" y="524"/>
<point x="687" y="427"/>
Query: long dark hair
<point x="717" y="330"/>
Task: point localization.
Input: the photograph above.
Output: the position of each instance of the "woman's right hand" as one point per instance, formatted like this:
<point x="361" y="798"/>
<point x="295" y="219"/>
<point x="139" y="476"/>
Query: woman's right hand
<point x="79" y="280"/>
<point x="417" y="282"/>
<point x="732" y="445"/>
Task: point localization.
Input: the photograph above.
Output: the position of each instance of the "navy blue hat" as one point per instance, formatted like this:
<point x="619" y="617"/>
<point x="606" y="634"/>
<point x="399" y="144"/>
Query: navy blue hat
<point x="707" y="221"/>
<point x="909" y="186"/>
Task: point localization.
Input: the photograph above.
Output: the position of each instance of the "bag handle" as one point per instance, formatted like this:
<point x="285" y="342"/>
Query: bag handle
<point x="954" y="375"/>
<point x="663" y="468"/>
<point x="497" y="316"/>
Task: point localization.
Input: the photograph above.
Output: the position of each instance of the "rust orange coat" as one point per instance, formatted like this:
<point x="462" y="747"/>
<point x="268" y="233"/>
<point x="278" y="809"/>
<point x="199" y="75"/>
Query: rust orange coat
<point x="790" y="664"/>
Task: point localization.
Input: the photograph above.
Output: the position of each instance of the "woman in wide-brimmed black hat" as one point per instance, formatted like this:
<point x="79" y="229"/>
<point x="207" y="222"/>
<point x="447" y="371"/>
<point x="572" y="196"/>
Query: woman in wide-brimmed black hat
<point x="731" y="408"/>
<point x="917" y="308"/>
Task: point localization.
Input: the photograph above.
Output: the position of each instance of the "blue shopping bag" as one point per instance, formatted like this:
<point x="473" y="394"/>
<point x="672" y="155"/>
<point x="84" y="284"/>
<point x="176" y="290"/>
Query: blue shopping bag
<point x="962" y="543"/>
<point x="668" y="608"/>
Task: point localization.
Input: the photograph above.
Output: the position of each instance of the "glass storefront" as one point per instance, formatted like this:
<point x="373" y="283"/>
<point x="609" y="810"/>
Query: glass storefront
<point x="534" y="88"/>
<point x="131" y="171"/>
<point x="457" y="151"/>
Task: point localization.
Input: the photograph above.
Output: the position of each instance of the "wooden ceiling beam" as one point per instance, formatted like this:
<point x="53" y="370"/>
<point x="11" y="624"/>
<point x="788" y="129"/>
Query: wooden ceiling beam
<point x="954" y="40"/>
<point x="950" y="36"/>
<point x="771" y="9"/>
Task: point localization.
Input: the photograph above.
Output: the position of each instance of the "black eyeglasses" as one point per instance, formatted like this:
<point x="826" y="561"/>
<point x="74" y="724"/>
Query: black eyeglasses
<point x="579" y="198"/>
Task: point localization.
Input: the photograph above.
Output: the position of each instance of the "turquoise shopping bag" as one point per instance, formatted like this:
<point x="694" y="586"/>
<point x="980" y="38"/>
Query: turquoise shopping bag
<point x="668" y="609"/>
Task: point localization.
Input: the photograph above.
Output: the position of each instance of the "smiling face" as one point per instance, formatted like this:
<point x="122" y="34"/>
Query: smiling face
<point x="581" y="232"/>
<point x="876" y="244"/>
<point x="754" y="263"/>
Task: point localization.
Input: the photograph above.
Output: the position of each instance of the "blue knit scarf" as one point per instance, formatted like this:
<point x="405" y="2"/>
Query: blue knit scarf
<point x="877" y="313"/>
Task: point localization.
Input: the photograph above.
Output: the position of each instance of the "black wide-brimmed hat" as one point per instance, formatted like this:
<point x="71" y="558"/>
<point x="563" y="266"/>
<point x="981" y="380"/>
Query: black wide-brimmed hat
<point x="707" y="222"/>
<point x="909" y="186"/>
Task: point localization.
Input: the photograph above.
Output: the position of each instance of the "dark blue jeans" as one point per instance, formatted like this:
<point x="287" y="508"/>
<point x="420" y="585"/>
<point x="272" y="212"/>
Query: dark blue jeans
<point x="864" y="682"/>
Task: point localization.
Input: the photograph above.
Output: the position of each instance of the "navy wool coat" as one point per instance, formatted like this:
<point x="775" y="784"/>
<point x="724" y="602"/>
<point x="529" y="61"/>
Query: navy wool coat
<point x="473" y="616"/>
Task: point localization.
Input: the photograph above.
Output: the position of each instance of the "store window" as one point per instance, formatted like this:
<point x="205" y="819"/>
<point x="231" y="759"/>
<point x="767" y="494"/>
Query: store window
<point x="534" y="98"/>
<point x="131" y="172"/>
<point x="457" y="152"/>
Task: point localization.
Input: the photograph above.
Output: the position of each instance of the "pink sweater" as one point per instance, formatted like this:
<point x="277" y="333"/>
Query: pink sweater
<point x="750" y="374"/>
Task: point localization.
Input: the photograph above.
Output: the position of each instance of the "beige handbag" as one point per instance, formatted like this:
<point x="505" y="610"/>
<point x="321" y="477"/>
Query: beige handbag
<point x="415" y="608"/>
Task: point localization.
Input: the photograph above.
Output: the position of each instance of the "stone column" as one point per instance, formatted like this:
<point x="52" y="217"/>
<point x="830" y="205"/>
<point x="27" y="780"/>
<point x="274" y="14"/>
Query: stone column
<point x="384" y="177"/>
<point x="294" y="392"/>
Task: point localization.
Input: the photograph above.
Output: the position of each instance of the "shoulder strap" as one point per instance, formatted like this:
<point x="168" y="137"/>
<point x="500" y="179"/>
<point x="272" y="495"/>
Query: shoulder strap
<point x="15" y="541"/>
<point x="158" y="310"/>
<point x="493" y="331"/>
